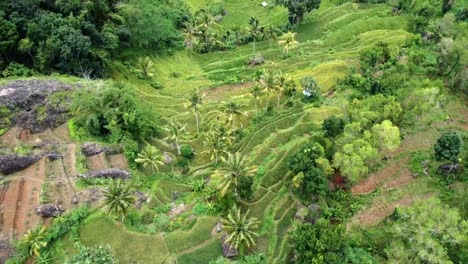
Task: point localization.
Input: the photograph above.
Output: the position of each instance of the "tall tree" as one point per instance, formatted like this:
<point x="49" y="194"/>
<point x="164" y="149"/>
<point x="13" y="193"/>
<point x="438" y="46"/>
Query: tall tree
<point x="240" y="229"/>
<point x="282" y="81"/>
<point x="176" y="132"/>
<point x="118" y="198"/>
<point x="190" y="34"/>
<point x="256" y="91"/>
<point x="267" y="80"/>
<point x="204" y="21"/>
<point x="288" y="41"/>
<point x="298" y="8"/>
<point x="385" y="135"/>
<point x="151" y="157"/>
<point x="231" y="170"/>
<point x="255" y="30"/>
<point x="232" y="110"/>
<point x="271" y="33"/>
<point x="195" y="100"/>
<point x="215" y="142"/>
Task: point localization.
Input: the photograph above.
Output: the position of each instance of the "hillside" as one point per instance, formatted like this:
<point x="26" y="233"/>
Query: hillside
<point x="339" y="139"/>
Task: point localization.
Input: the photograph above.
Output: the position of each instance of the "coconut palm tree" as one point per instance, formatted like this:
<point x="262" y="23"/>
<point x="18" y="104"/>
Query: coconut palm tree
<point x="151" y="157"/>
<point x="271" y="34"/>
<point x="216" y="143"/>
<point x="204" y="21"/>
<point x="35" y="241"/>
<point x="195" y="100"/>
<point x="256" y="91"/>
<point x="176" y="132"/>
<point x="255" y="30"/>
<point x="267" y="80"/>
<point x="232" y="110"/>
<point x="281" y="83"/>
<point x="288" y="41"/>
<point x="190" y="33"/>
<point x="240" y="229"/>
<point x="231" y="170"/>
<point x="145" y="64"/>
<point x="118" y="198"/>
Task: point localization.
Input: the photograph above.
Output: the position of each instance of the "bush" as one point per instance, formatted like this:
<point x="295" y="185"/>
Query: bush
<point x="304" y="159"/>
<point x="187" y="151"/>
<point x="17" y="70"/>
<point x="94" y="255"/>
<point x="333" y="126"/>
<point x="448" y="146"/>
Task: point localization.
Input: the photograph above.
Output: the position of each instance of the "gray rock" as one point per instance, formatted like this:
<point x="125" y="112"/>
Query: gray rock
<point x="53" y="155"/>
<point x="12" y="162"/>
<point x="49" y="210"/>
<point x="256" y="60"/>
<point x="228" y="250"/>
<point x="28" y="102"/>
<point x="450" y="168"/>
<point x="91" y="149"/>
<point x="112" y="173"/>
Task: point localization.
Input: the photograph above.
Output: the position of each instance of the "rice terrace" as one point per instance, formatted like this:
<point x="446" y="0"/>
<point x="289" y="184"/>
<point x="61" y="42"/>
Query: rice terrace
<point x="233" y="131"/>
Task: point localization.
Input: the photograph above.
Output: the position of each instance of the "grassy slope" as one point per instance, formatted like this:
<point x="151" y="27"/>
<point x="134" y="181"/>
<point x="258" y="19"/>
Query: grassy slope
<point x="330" y="41"/>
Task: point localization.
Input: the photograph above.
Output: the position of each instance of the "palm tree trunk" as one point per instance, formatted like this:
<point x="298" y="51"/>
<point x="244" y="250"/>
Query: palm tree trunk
<point x="256" y="109"/>
<point x="196" y="118"/>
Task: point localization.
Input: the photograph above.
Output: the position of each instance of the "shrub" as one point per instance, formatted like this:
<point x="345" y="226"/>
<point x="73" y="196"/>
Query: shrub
<point x="304" y="159"/>
<point x="95" y="255"/>
<point x="17" y="70"/>
<point x="333" y="126"/>
<point x="448" y="146"/>
<point x="187" y="151"/>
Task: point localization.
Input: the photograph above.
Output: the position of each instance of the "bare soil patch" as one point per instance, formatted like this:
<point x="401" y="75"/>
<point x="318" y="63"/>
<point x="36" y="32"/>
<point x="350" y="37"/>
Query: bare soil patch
<point x="371" y="182"/>
<point x="404" y="177"/>
<point x="97" y="162"/>
<point x="10" y="138"/>
<point x="118" y="161"/>
<point x="219" y="92"/>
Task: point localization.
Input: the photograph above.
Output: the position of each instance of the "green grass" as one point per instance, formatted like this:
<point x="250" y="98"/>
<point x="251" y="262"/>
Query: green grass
<point x="202" y="255"/>
<point x="201" y="231"/>
<point x="128" y="246"/>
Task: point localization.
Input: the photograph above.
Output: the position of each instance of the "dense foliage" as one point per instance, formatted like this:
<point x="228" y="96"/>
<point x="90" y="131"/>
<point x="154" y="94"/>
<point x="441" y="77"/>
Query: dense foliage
<point x="94" y="255"/>
<point x="448" y="146"/>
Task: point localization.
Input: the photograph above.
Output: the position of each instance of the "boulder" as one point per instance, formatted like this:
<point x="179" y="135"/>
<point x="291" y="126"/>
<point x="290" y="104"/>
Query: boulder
<point x="91" y="149"/>
<point x="112" y="173"/>
<point x="29" y="105"/>
<point x="228" y="250"/>
<point x="256" y="60"/>
<point x="140" y="198"/>
<point x="53" y="155"/>
<point x="11" y="163"/>
<point x="450" y="168"/>
<point x="49" y="210"/>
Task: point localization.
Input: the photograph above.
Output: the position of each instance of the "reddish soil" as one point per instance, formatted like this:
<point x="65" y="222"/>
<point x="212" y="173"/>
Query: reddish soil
<point x="9" y="139"/>
<point x="97" y="162"/>
<point x="19" y="199"/>
<point x="375" y="179"/>
<point x="379" y="210"/>
<point x="404" y="178"/>
<point x="118" y="161"/>
<point x="220" y="92"/>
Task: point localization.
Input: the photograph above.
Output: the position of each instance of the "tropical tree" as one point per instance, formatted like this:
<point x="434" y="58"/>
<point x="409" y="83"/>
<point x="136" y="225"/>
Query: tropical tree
<point x="267" y="80"/>
<point x="386" y="135"/>
<point x="204" y="21"/>
<point x="232" y="110"/>
<point x="232" y="169"/>
<point x="288" y="42"/>
<point x="190" y="33"/>
<point x="240" y="229"/>
<point x="144" y="64"/>
<point x="118" y="198"/>
<point x="256" y="91"/>
<point x="282" y="82"/>
<point x="255" y="30"/>
<point x="176" y="131"/>
<point x="151" y="157"/>
<point x="448" y="146"/>
<point x="271" y="33"/>
<point x="195" y="100"/>
<point x="216" y="143"/>
<point x="298" y="8"/>
<point x="35" y="241"/>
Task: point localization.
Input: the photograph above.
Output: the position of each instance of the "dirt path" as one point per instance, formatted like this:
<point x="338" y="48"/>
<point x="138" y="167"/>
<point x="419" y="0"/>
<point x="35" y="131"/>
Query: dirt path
<point x="219" y="92"/>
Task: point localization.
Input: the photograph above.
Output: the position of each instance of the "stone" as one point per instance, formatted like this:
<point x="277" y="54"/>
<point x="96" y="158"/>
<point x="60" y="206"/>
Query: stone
<point x="228" y="250"/>
<point x="49" y="210"/>
<point x="90" y="149"/>
<point x="450" y="168"/>
<point x="256" y="60"/>
<point x="11" y="163"/>
<point x="112" y="173"/>
<point x="219" y="227"/>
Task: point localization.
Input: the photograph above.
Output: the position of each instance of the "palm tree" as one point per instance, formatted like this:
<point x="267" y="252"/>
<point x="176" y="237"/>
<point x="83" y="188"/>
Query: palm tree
<point x="118" y="198"/>
<point x="216" y="143"/>
<point x="151" y="157"/>
<point x="256" y="91"/>
<point x="204" y="21"/>
<point x="268" y="82"/>
<point x="232" y="110"/>
<point x="176" y="131"/>
<point x="232" y="169"/>
<point x="254" y="30"/>
<point x="240" y="229"/>
<point x="281" y="81"/>
<point x="145" y="64"/>
<point x="35" y="241"/>
<point x="271" y="34"/>
<point x="190" y="34"/>
<point x="288" y="41"/>
<point x="290" y="88"/>
<point x="195" y="100"/>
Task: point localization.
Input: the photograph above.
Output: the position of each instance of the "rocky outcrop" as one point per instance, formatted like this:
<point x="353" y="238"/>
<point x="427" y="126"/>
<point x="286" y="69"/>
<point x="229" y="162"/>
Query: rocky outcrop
<point x="90" y="149"/>
<point x="49" y="210"/>
<point x="108" y="173"/>
<point x="30" y="106"/>
<point x="228" y="250"/>
<point x="450" y="168"/>
<point x="12" y="163"/>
